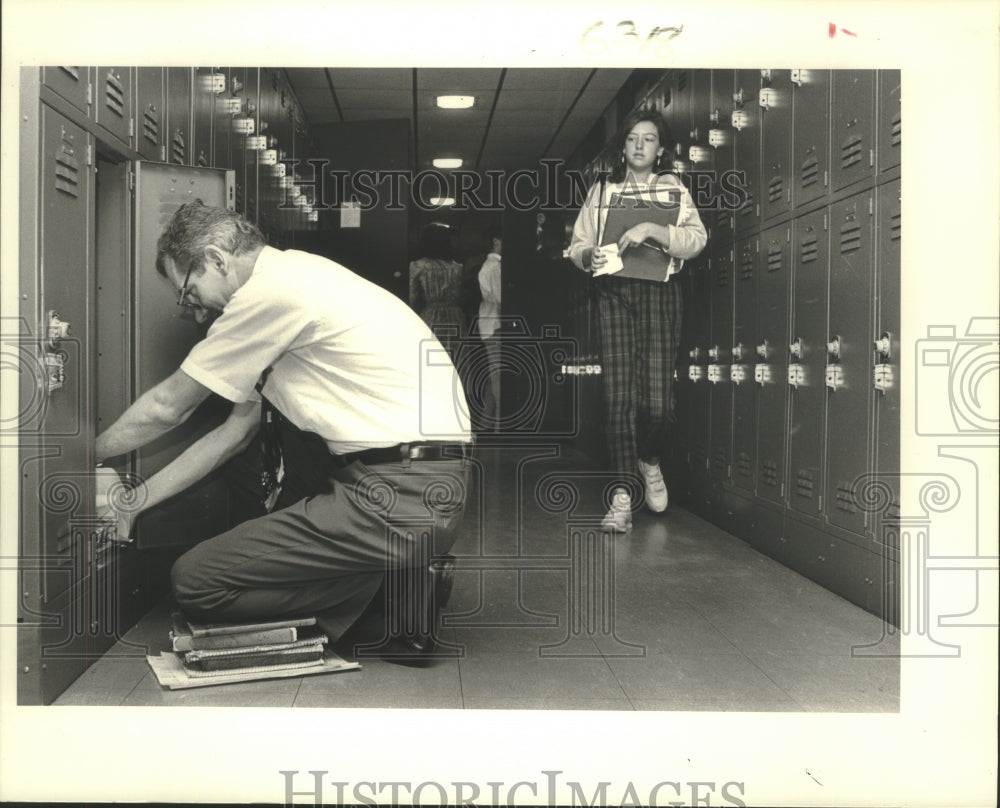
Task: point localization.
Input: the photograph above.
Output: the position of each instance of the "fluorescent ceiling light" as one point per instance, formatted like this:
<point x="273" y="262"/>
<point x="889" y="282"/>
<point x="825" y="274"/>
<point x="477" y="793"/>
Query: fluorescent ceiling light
<point x="447" y="162"/>
<point x="442" y="201"/>
<point x="455" y="101"/>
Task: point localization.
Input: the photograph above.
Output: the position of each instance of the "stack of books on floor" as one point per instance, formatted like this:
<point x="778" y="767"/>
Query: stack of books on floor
<point x="218" y="653"/>
<point x="208" y="649"/>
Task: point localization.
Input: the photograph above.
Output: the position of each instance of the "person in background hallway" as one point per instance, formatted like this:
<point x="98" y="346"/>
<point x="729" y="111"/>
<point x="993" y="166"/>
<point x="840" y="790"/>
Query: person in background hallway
<point x="341" y="359"/>
<point x="489" y="324"/>
<point x="436" y="286"/>
<point x="639" y="315"/>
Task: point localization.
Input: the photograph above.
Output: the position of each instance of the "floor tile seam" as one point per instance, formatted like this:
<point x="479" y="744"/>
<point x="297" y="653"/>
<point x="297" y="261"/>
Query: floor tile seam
<point x="771" y="680"/>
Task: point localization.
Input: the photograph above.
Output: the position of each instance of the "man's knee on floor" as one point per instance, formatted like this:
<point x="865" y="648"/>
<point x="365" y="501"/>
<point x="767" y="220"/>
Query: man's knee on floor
<point x="187" y="584"/>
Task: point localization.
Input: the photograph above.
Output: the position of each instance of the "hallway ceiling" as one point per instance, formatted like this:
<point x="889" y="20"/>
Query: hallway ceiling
<point x="521" y="115"/>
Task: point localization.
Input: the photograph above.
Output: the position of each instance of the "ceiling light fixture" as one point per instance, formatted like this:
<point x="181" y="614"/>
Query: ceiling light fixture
<point x="456" y="101"/>
<point x="447" y="162"/>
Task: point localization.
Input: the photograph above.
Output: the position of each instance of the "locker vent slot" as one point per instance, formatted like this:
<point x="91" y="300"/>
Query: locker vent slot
<point x="67" y="171"/>
<point x="896" y="227"/>
<point x="851" y="152"/>
<point x="720" y="460"/>
<point x="178" y="148"/>
<point x="775" y="189"/>
<point x="770" y="473"/>
<point x="114" y="95"/>
<point x="810" y="249"/>
<point x="74" y="72"/>
<point x="723" y="277"/>
<point x="744" y="467"/>
<point x="850" y="237"/>
<point x="748" y="206"/>
<point x="667" y="97"/>
<point x="682" y="80"/>
<point x="151" y="125"/>
<point x="746" y="266"/>
<point x="805" y="483"/>
<point x="722" y="221"/>
<point x="774" y="258"/>
<point x="845" y="500"/>
<point x="895" y="136"/>
<point x="810" y="172"/>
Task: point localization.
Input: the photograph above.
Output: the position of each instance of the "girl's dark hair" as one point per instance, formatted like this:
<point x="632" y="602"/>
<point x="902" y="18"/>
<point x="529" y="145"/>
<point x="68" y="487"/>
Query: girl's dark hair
<point x="435" y="242"/>
<point x="654" y="117"/>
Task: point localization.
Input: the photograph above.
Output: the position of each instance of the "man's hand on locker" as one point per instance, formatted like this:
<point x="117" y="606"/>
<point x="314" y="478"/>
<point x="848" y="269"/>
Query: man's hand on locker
<point x="114" y="504"/>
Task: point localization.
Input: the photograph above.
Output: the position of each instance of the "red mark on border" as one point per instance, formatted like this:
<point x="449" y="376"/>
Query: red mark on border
<point x="832" y="31"/>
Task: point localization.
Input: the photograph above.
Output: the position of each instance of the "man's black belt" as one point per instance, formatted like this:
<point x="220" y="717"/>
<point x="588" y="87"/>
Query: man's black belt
<point x="405" y="452"/>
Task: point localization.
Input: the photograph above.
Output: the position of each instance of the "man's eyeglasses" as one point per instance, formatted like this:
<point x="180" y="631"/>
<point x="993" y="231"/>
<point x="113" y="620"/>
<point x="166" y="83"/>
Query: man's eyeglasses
<point x="184" y="290"/>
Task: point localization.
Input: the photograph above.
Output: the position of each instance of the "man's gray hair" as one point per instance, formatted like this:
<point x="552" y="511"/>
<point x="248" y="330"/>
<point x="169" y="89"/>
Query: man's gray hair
<point x="195" y="227"/>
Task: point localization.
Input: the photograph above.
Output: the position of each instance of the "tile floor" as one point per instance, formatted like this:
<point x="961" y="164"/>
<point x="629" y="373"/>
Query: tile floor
<point x="676" y="615"/>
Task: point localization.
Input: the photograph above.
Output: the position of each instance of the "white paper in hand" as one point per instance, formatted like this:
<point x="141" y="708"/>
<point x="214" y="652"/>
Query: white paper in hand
<point x="614" y="264"/>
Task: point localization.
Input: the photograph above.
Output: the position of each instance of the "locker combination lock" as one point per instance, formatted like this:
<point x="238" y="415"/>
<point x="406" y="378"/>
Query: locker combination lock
<point x="717" y="137"/>
<point x="884" y="379"/>
<point x="716" y="373"/>
<point x="53" y="359"/>
<point x="796" y="375"/>
<point x="834" y="377"/>
<point x="699" y="154"/>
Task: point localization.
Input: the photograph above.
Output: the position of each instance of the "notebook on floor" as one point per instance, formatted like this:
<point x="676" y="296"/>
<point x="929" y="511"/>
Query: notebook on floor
<point x="170" y="672"/>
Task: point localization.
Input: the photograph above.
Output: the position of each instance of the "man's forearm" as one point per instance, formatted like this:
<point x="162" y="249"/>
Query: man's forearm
<point x="153" y="414"/>
<point x="139" y="424"/>
<point x="202" y="457"/>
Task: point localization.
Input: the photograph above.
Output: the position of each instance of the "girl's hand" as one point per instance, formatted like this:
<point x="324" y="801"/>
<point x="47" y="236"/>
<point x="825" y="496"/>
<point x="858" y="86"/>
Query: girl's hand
<point x="597" y="259"/>
<point x="633" y="237"/>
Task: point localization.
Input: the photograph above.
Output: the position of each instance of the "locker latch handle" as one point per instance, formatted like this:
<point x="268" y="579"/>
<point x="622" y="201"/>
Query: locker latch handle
<point x="738" y="352"/>
<point x="795" y="349"/>
<point x="883" y="346"/>
<point x="58" y="329"/>
<point x="833" y="348"/>
<point x="713" y="353"/>
<point x="762" y="349"/>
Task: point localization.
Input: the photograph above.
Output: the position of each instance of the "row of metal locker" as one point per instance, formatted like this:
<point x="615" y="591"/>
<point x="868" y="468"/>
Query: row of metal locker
<point x="789" y="371"/>
<point x="794" y="138"/>
<point x="787" y="377"/>
<point x="246" y="119"/>
<point x="106" y="156"/>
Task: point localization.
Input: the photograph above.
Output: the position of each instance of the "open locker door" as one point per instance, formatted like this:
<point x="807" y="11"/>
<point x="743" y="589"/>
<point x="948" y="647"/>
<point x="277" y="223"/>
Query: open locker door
<point x="163" y="334"/>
